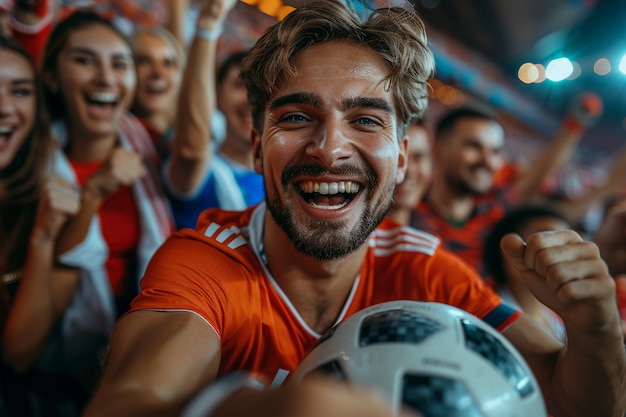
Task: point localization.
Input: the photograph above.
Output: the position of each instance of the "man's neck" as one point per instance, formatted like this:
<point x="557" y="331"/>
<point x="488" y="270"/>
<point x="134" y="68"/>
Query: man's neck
<point x="400" y="215"/>
<point x="452" y="205"/>
<point x="317" y="289"/>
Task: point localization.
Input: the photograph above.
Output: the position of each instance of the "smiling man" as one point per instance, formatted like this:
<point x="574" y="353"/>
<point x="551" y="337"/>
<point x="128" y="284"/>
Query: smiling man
<point x="253" y="291"/>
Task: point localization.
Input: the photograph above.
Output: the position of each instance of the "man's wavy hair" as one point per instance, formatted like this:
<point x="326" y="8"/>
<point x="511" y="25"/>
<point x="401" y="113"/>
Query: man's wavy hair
<point x="396" y="34"/>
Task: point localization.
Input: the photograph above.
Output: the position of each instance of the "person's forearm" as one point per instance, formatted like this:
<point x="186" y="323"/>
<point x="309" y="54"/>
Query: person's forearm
<point x="31" y="317"/>
<point x="549" y="161"/>
<point x="577" y="207"/>
<point x="176" y="19"/>
<point x="591" y="374"/>
<point x="196" y="104"/>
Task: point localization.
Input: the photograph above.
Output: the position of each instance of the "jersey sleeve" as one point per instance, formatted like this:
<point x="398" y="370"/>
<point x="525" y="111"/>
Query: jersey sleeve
<point x="453" y="282"/>
<point x="183" y="276"/>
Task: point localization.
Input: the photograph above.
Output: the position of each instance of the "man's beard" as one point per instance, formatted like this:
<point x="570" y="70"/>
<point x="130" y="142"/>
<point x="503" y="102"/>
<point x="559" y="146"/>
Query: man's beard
<point x="328" y="240"/>
<point x="462" y="187"/>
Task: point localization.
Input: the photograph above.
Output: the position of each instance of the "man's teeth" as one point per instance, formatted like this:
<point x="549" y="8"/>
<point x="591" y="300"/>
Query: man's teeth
<point x="335" y="207"/>
<point x="5" y="130"/>
<point x="327" y="188"/>
<point x="106" y="98"/>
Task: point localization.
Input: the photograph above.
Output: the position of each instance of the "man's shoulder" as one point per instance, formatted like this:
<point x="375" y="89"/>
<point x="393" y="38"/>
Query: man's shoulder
<point x="216" y="217"/>
<point x="391" y="238"/>
<point x="217" y="230"/>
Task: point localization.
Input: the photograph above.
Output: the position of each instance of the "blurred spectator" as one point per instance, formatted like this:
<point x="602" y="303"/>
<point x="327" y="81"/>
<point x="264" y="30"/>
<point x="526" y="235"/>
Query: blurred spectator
<point x="160" y="61"/>
<point x="90" y="79"/>
<point x="201" y="175"/>
<point x="33" y="209"/>
<point x="463" y="204"/>
<point x="417" y="179"/>
<point x="523" y="220"/>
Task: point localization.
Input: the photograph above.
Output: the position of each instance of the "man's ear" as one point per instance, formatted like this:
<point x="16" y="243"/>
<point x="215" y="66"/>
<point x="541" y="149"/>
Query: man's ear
<point x="403" y="159"/>
<point x="257" y="151"/>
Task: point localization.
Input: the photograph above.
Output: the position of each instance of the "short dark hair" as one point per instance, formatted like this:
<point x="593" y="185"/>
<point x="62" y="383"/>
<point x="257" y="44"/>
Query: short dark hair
<point x="512" y="222"/>
<point x="233" y="60"/>
<point x="449" y="119"/>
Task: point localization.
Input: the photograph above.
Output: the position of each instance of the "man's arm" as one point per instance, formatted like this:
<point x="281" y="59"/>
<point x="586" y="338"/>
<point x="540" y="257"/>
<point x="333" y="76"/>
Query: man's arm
<point x="197" y="101"/>
<point x="584" y="112"/>
<point x="157" y="361"/>
<point x="576" y="208"/>
<point x="586" y="377"/>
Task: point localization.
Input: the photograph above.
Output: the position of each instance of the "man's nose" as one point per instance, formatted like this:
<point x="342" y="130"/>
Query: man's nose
<point x="330" y="144"/>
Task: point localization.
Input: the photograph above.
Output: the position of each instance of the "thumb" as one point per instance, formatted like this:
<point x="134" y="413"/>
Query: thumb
<point x="513" y="248"/>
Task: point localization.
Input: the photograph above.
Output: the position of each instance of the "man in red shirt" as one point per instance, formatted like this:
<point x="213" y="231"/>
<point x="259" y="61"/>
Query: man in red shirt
<point x="251" y="291"/>
<point x="464" y="201"/>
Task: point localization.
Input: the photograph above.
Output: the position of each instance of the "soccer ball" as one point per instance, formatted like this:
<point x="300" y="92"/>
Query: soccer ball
<point x="434" y="358"/>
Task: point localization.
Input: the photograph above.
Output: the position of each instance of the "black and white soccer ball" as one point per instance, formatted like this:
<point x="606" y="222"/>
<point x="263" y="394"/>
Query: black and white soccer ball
<point x="434" y="358"/>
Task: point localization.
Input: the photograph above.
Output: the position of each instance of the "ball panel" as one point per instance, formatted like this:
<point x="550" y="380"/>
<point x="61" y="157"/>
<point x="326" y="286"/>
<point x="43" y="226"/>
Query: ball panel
<point x="435" y="396"/>
<point x="494" y="351"/>
<point x="397" y="326"/>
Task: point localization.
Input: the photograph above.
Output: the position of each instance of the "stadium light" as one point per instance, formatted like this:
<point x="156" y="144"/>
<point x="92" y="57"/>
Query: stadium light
<point x="622" y="65"/>
<point x="559" y="69"/>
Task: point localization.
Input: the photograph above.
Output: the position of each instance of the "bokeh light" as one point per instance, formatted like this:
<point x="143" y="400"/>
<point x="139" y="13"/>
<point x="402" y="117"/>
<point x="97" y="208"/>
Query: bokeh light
<point x="528" y="73"/>
<point x="559" y="69"/>
<point x="602" y="66"/>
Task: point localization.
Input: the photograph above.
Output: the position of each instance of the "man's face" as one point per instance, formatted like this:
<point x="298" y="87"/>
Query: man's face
<point x="329" y="151"/>
<point x="470" y="155"/>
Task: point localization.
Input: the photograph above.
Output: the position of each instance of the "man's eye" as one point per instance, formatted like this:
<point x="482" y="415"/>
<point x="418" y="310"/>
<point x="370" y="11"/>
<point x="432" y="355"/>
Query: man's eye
<point x="367" y="121"/>
<point x="295" y="118"/>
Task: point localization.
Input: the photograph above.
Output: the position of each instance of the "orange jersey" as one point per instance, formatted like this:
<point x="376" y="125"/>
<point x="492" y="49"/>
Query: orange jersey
<point x="217" y="271"/>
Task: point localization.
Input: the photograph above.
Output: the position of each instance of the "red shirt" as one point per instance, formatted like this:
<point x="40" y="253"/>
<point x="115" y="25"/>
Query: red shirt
<point x="464" y="239"/>
<point x="119" y="223"/>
